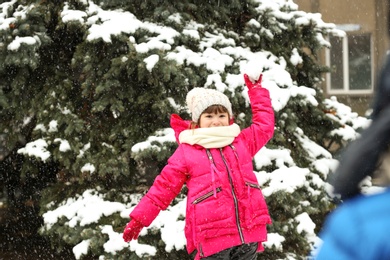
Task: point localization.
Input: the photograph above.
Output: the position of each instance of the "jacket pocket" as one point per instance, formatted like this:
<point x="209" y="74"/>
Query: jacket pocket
<point x="206" y="196"/>
<point x="258" y="210"/>
<point x="252" y="185"/>
<point x="213" y="217"/>
<point x="212" y="214"/>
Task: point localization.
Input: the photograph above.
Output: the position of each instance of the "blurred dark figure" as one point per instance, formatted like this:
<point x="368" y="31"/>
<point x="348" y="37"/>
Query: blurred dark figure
<point x="363" y="156"/>
<point x="359" y="228"/>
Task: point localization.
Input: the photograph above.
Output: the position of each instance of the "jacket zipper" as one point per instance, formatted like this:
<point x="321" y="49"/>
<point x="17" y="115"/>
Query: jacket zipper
<point x="234" y="151"/>
<point x="234" y="198"/>
<point x="206" y="196"/>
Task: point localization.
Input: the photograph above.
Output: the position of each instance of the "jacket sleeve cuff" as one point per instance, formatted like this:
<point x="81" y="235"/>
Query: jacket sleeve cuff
<point x="145" y="212"/>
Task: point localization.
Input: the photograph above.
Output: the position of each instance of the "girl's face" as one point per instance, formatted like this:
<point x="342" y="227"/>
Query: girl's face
<point x="214" y="119"/>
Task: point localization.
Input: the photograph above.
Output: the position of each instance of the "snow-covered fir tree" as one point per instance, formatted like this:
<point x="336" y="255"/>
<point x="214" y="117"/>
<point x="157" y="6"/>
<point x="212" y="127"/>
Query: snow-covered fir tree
<point x="87" y="89"/>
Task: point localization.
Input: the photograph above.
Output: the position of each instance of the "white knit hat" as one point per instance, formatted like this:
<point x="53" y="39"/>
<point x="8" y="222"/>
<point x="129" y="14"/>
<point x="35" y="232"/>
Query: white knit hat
<point x="198" y="99"/>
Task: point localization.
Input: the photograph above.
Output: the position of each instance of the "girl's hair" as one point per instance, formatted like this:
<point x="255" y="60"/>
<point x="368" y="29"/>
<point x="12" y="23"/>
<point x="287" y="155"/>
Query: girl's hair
<point x="213" y="109"/>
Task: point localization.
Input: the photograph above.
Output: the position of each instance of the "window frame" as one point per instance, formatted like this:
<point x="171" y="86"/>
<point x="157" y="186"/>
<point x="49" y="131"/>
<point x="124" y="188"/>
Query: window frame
<point x="345" y="56"/>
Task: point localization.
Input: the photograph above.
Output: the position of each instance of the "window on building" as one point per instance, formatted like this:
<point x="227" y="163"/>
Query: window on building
<point x="350" y="61"/>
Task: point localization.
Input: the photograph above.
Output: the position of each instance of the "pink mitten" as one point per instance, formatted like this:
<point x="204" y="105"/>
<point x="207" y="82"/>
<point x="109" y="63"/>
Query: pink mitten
<point x="132" y="230"/>
<point x="250" y="84"/>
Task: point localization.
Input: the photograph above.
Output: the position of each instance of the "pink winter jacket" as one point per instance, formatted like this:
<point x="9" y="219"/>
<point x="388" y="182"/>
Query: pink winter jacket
<point x="225" y="205"/>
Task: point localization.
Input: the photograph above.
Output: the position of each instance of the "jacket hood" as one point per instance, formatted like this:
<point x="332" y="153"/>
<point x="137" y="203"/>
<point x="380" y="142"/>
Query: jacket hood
<point x="178" y="125"/>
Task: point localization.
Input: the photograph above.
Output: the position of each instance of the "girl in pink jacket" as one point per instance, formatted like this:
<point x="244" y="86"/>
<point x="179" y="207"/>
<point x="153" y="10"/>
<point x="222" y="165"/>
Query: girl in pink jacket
<point x="226" y="214"/>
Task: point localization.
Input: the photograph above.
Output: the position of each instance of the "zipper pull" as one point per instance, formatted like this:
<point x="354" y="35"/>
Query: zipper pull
<point x="213" y="171"/>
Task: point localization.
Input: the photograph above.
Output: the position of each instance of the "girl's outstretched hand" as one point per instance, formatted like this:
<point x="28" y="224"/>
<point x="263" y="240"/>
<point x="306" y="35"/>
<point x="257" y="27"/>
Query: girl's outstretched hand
<point x="132" y="230"/>
<point x="250" y="84"/>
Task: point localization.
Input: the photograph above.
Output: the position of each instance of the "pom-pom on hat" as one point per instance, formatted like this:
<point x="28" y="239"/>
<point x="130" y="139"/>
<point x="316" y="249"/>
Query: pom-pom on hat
<point x="198" y="99"/>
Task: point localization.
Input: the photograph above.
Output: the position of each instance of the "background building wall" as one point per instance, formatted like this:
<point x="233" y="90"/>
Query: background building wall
<point x="356" y="17"/>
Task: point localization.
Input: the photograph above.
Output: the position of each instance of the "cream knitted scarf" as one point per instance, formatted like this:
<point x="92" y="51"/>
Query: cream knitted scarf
<point x="210" y="137"/>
